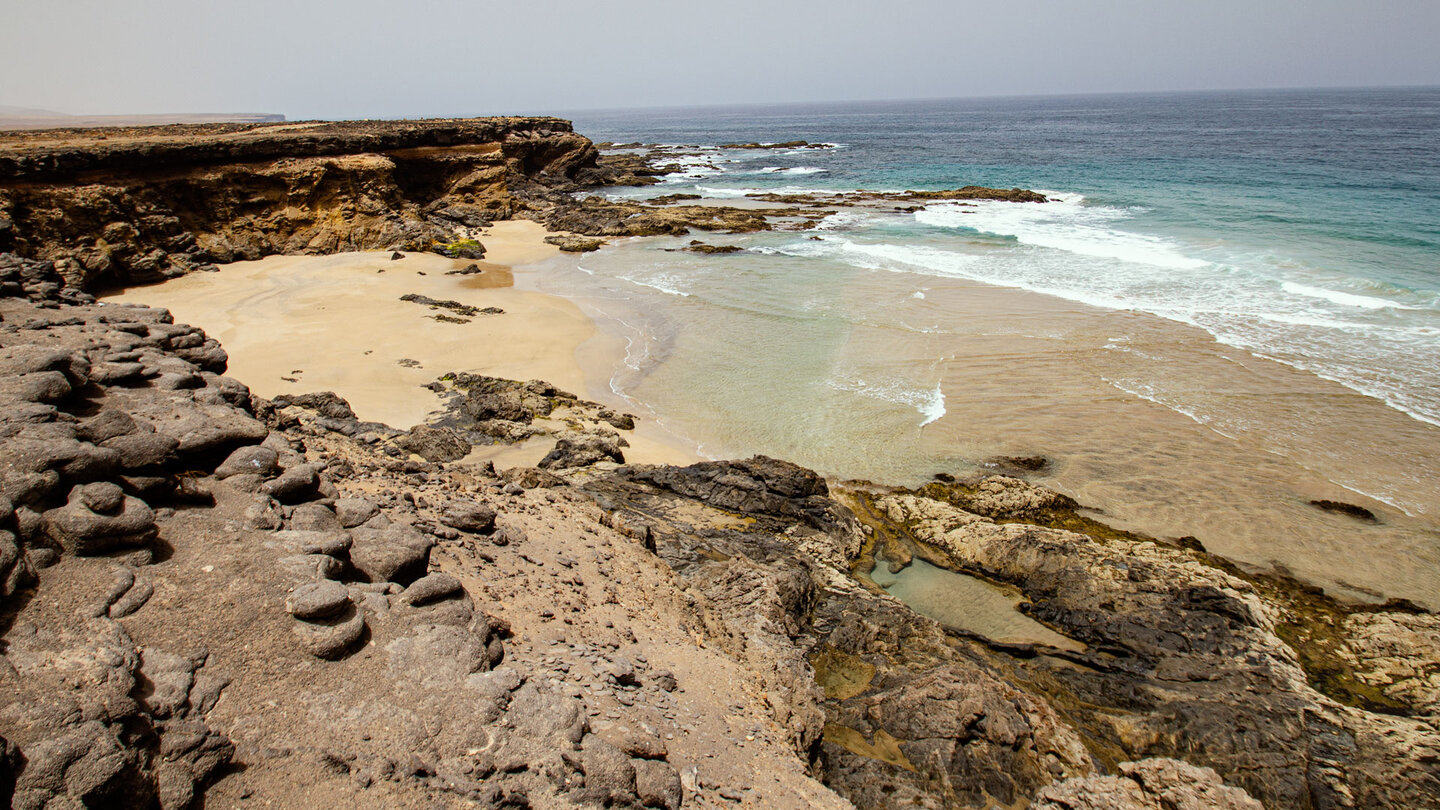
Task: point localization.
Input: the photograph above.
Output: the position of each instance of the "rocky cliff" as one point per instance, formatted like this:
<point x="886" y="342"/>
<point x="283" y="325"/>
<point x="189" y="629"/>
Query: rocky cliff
<point x="115" y="207"/>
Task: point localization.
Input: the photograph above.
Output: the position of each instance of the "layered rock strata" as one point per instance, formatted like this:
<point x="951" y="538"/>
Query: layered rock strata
<point x="126" y="206"/>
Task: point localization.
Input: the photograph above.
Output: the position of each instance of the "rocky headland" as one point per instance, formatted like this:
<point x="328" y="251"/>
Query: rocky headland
<point x="215" y="597"/>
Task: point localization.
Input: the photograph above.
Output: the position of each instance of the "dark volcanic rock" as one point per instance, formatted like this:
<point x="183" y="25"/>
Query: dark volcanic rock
<point x="468" y="516"/>
<point x="453" y="306"/>
<point x="758" y="485"/>
<point x="700" y="247"/>
<point x="325" y="403"/>
<point x="434" y="444"/>
<point x="1018" y="464"/>
<point x="82" y="528"/>
<point x="976" y="193"/>
<point x="432" y="588"/>
<point x="298" y="483"/>
<point x="250" y="460"/>
<point x="575" y="244"/>
<point x="1350" y="509"/>
<point x="584" y="449"/>
<point x="392" y="554"/>
<point x="318" y="600"/>
<point x="1186" y="650"/>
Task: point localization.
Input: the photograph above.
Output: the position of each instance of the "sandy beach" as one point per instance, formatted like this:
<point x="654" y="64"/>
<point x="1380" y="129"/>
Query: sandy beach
<point x="295" y="324"/>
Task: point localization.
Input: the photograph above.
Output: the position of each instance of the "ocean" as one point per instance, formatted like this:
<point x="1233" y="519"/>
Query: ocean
<point x="1230" y="308"/>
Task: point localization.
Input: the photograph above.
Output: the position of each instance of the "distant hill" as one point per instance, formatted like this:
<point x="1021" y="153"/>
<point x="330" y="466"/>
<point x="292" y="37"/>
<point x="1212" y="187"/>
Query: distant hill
<point x="7" y="111"/>
<point x="32" y="118"/>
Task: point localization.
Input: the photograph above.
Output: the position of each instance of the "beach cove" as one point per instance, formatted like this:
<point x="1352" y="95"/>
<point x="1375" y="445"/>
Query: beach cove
<point x="653" y="634"/>
<point x="1201" y="351"/>
<point x="296" y="324"/>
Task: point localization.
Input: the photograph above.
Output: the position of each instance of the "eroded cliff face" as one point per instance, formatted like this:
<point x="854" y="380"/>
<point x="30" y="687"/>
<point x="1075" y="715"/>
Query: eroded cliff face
<point x="127" y="206"/>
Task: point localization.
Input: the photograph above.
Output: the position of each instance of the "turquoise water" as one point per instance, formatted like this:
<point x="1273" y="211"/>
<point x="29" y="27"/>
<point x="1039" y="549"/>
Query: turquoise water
<point x="1301" y="225"/>
<point x="1231" y="307"/>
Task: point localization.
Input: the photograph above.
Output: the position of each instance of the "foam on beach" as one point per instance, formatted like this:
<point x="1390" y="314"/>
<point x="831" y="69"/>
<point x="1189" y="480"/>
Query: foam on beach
<point x="928" y="402"/>
<point x="1343" y="298"/>
<point x="1065" y="223"/>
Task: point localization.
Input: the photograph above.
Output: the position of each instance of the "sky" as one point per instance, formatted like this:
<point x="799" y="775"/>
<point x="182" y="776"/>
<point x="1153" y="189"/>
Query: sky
<point x="389" y="58"/>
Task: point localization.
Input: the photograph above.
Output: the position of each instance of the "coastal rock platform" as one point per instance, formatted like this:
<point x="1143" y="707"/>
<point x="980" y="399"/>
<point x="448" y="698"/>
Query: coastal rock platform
<point x="210" y="597"/>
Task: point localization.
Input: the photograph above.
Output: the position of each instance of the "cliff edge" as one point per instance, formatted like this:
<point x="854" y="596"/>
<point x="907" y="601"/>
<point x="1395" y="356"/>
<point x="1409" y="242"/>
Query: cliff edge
<point x="123" y="206"/>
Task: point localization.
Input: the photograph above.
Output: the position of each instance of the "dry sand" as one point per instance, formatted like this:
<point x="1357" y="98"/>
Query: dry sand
<point x="295" y="324"/>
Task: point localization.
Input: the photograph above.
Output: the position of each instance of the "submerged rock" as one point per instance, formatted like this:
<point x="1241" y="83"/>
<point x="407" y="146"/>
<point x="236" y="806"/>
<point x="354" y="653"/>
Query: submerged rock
<point x="574" y="244"/>
<point x="1350" y="509"/>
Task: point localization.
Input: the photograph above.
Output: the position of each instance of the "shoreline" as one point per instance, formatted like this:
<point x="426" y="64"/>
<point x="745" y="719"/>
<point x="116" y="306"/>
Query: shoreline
<point x="565" y="606"/>
<point x="1027" y="374"/>
<point x="300" y="324"/>
<point x="273" y="315"/>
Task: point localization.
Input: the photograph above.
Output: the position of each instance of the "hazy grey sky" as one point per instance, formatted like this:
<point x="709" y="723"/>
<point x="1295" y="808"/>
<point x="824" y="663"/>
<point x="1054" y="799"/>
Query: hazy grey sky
<point x="383" y="58"/>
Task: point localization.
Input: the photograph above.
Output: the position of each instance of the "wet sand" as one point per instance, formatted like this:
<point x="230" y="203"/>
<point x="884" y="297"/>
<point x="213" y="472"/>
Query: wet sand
<point x="1166" y="431"/>
<point x="1153" y="423"/>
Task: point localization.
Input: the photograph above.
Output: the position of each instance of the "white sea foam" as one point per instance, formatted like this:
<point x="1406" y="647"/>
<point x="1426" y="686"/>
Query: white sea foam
<point x="844" y="220"/>
<point x="1065" y="223"/>
<point x="1293" y="319"/>
<point x="791" y="170"/>
<point x="1148" y="393"/>
<point x="1397" y="397"/>
<point x="1344" y="299"/>
<point x="1386" y="352"/>
<point x="934" y="407"/>
<point x="664" y="282"/>
<point x="720" y="192"/>
<point x="690" y="166"/>
<point x="1373" y="496"/>
<point x="929" y="403"/>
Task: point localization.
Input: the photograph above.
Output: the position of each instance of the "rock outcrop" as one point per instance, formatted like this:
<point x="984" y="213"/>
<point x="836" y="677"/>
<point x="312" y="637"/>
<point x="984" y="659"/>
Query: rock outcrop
<point x="212" y="597"/>
<point x="272" y="599"/>
<point x="116" y="207"/>
<point x="1185" y="658"/>
<point x="206" y="596"/>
